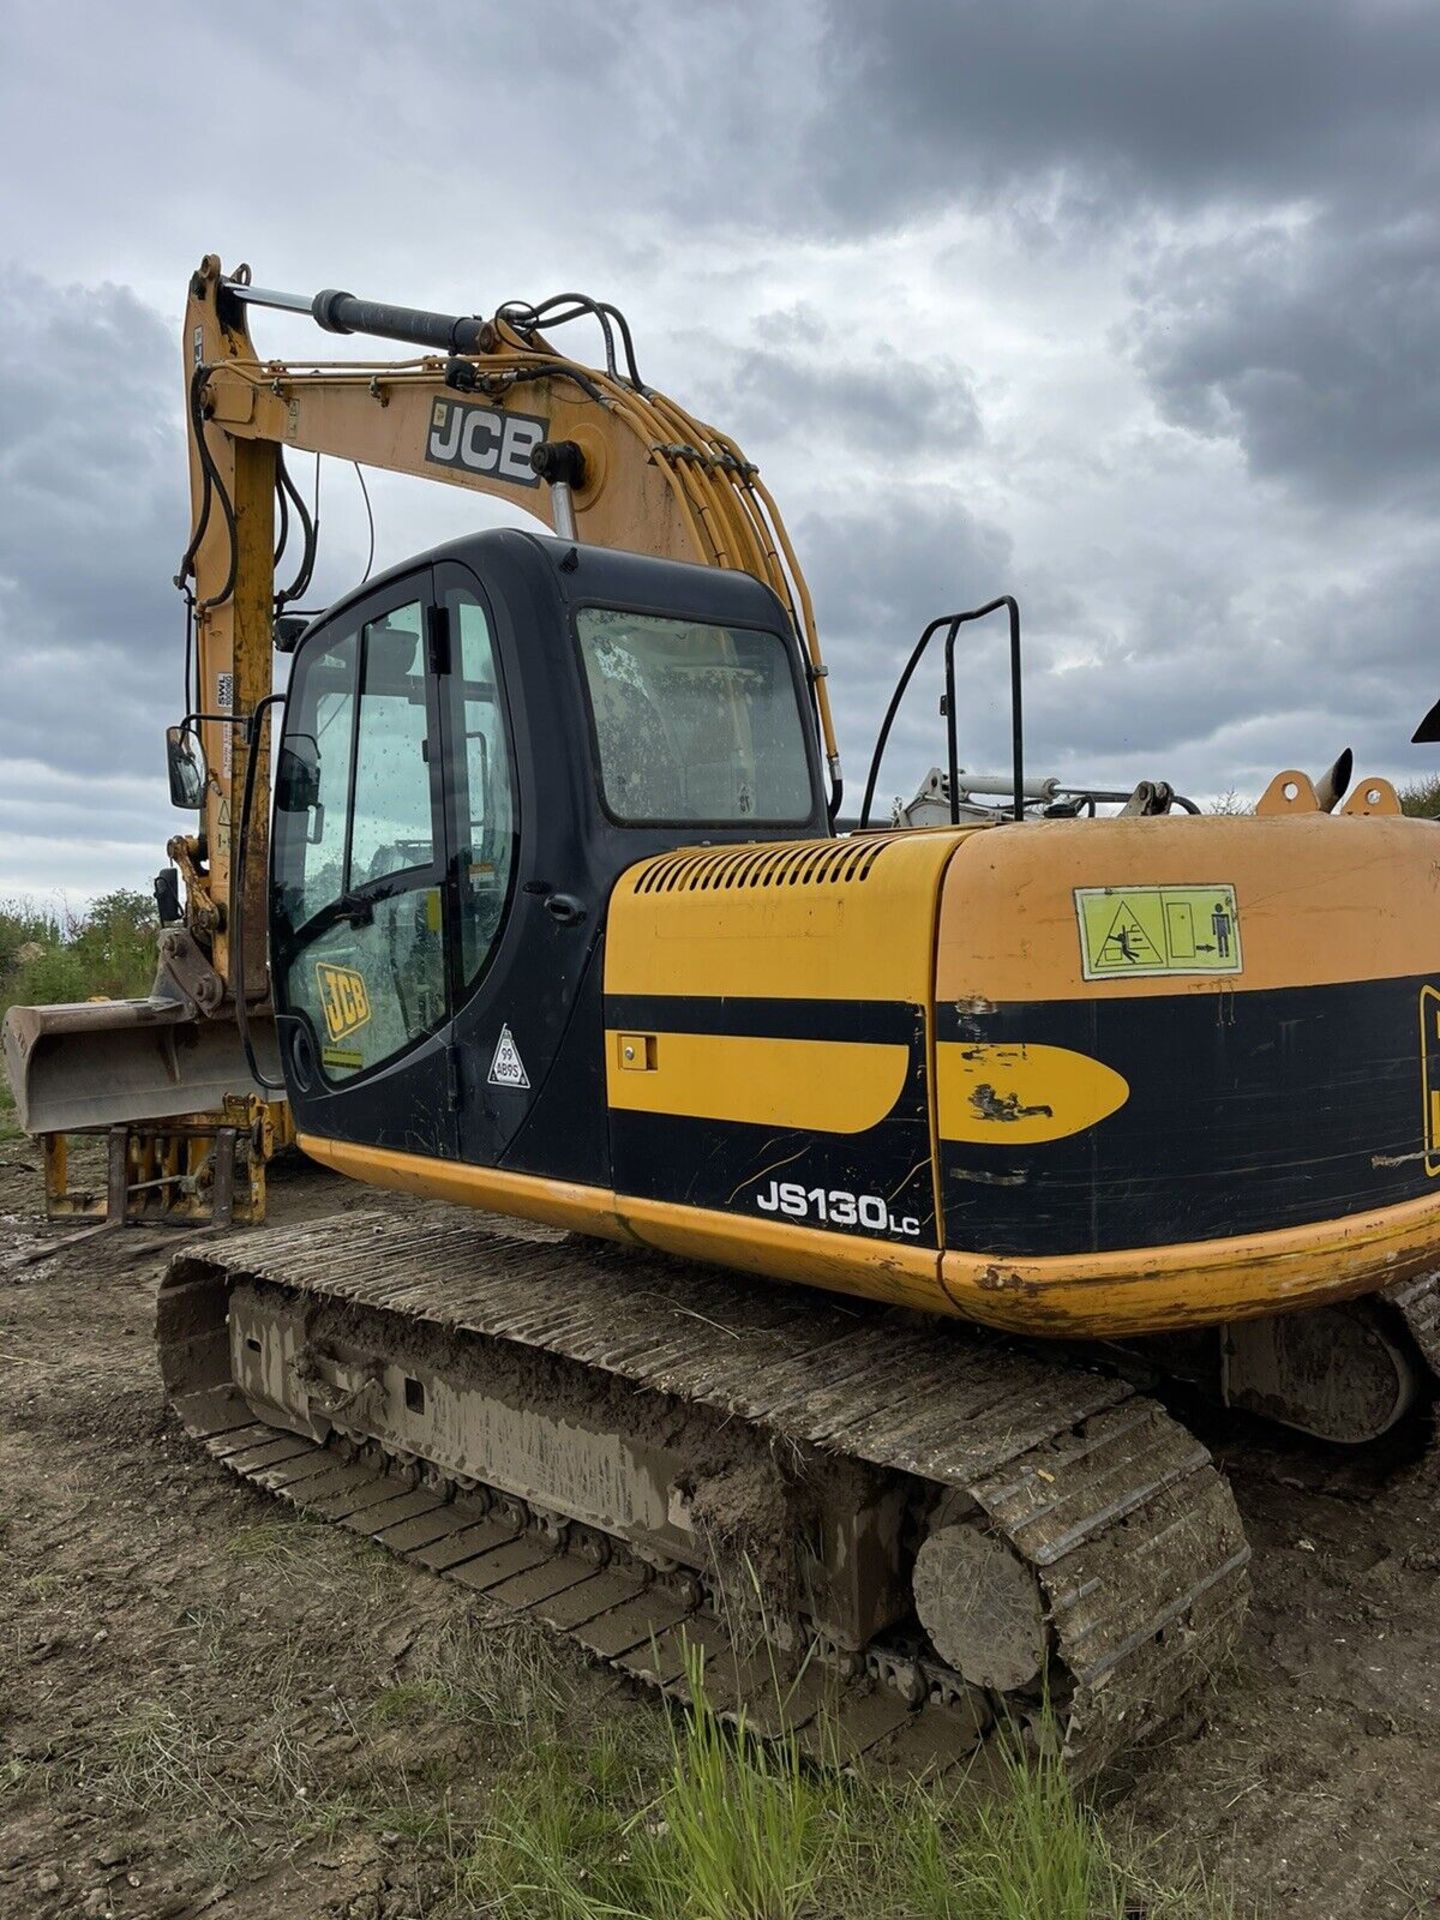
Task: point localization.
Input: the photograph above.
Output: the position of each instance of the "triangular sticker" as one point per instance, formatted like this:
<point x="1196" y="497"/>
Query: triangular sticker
<point x="507" y="1069"/>
<point x="1127" y="944"/>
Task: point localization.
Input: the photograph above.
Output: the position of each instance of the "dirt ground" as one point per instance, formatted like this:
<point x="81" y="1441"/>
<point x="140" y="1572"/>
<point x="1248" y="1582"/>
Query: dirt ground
<point x="208" y="1706"/>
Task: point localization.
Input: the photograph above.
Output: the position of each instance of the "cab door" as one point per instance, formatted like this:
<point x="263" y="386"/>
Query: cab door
<point x="514" y="961"/>
<point x="361" y="901"/>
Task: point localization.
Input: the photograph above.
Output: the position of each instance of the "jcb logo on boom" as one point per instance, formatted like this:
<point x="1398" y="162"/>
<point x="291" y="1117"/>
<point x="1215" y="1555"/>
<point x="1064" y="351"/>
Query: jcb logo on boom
<point x="485" y="440"/>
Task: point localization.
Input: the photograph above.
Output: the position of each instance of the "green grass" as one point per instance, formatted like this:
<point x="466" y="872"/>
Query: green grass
<point x="473" y="1769"/>
<point x="19" y="1776"/>
<point x="106" y="952"/>
<point x="731" y="1828"/>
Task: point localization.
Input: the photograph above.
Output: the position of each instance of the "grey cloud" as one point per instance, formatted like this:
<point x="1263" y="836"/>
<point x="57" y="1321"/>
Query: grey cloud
<point x="1172" y="672"/>
<point x="892" y="407"/>
<point x="1318" y="350"/>
<point x="1218" y="688"/>
<point x="1124" y="103"/>
<point x="1303" y="133"/>
<point x="879" y="574"/>
<point x="92" y="507"/>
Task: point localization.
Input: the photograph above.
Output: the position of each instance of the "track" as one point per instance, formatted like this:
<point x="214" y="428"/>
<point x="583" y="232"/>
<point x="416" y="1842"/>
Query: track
<point x="1131" y="1534"/>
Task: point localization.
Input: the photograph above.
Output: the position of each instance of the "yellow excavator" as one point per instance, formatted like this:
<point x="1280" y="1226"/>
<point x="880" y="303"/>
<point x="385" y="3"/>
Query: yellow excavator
<point x="554" y="917"/>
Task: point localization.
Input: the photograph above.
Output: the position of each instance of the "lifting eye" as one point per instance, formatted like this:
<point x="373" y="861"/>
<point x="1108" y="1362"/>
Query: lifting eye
<point x="414" y="1396"/>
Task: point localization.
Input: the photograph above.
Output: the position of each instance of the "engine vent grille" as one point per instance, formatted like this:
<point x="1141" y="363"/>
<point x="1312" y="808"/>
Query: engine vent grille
<point x="802" y="863"/>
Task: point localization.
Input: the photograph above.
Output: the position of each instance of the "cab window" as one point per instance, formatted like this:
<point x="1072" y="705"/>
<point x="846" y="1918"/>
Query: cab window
<point x="483" y="790"/>
<point x="357" y="902"/>
<point x="694" y="723"/>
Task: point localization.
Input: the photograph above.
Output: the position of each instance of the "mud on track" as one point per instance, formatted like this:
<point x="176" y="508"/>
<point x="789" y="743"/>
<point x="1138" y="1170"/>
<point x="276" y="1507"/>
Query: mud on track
<point x="209" y="1707"/>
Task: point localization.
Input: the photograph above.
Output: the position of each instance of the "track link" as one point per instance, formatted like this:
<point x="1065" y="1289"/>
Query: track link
<point x="1132" y="1535"/>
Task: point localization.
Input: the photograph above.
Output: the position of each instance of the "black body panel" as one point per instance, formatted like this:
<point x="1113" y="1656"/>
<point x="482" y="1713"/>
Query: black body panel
<point x="1247" y="1112"/>
<point x="725" y="1164"/>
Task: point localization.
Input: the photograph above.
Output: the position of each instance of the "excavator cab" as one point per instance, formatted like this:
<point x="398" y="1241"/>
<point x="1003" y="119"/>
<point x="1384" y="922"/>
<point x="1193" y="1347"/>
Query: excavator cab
<point x="474" y="748"/>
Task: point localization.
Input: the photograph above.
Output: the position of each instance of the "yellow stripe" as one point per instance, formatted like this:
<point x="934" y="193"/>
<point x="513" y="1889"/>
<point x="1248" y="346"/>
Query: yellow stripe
<point x="1017" y="1095"/>
<point x="842" y="1262"/>
<point x="810" y="1256"/>
<point x="1138" y="1290"/>
<point x="824" y="1086"/>
<point x="1198" y="1283"/>
<point x="525" y="1196"/>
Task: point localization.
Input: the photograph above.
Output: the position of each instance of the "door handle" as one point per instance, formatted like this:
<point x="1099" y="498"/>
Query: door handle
<point x="565" y="909"/>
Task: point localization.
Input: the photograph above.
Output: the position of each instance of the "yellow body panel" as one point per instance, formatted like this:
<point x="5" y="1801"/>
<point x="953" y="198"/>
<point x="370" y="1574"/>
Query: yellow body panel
<point x="757" y="922"/>
<point x="834" y="1086"/>
<point x="1149" y="1289"/>
<point x="1321" y="899"/>
<point x="873" y="1269"/>
<point x="1016" y="1095"/>
<point x="553" y="1203"/>
<point x="901" y="1276"/>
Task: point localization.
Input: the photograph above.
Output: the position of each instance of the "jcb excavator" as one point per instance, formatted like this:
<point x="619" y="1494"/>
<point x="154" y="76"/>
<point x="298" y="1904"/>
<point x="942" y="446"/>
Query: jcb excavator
<point x="557" y="924"/>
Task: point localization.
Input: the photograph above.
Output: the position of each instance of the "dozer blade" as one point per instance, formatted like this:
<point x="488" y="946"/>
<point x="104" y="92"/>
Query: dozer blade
<point x="102" y="1063"/>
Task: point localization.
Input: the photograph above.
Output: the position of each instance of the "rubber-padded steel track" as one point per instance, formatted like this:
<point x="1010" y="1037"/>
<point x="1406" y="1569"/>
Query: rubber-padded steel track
<point x="1133" y="1535"/>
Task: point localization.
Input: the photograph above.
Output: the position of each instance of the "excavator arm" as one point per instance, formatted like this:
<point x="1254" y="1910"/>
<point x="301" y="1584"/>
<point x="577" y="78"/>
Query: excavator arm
<point x="486" y="404"/>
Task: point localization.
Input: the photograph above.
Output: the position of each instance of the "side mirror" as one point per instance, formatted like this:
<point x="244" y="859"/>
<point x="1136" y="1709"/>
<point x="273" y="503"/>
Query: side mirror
<point x="297" y="779"/>
<point x="186" y="767"/>
<point x="297" y="785"/>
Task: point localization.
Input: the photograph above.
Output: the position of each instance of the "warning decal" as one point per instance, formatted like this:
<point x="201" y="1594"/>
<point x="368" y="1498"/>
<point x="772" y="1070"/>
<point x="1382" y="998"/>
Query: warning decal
<point x="507" y="1069"/>
<point x="1135" y="932"/>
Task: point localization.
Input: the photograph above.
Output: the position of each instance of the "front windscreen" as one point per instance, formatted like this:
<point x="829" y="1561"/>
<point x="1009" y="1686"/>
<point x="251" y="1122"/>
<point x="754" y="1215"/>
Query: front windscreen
<point x="694" y="722"/>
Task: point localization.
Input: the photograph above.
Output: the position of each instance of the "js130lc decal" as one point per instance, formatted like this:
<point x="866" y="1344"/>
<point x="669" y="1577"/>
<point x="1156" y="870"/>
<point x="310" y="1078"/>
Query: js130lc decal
<point x="833" y="1207"/>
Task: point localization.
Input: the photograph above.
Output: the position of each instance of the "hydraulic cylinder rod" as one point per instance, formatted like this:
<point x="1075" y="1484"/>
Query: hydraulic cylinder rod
<point x="339" y="312"/>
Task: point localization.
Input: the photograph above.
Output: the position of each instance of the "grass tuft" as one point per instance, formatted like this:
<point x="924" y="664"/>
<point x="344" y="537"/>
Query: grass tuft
<point x="281" y="1542"/>
<point x="502" y="1675"/>
<point x="732" y="1828"/>
<point x="746" y="1831"/>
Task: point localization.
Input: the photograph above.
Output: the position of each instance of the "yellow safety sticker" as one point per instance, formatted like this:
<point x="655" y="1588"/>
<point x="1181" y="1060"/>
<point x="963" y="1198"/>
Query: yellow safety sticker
<point x="342" y="1057"/>
<point x="1131" y="933"/>
<point x="1430" y="1074"/>
<point x="343" y="998"/>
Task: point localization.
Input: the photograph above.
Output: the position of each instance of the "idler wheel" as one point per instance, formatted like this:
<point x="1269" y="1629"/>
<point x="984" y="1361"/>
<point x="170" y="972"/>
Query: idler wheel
<point x="981" y="1607"/>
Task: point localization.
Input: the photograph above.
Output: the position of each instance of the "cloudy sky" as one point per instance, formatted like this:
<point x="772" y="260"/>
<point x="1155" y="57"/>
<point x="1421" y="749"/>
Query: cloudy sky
<point x="1128" y="307"/>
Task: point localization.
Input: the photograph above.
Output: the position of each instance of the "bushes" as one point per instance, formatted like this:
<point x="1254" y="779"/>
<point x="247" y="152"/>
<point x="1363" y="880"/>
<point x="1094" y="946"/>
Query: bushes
<point x="1422" y="798"/>
<point x="108" y="950"/>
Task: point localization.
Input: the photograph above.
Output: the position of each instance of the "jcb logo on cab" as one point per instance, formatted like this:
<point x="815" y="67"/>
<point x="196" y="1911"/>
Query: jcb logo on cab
<point x="343" y="997"/>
